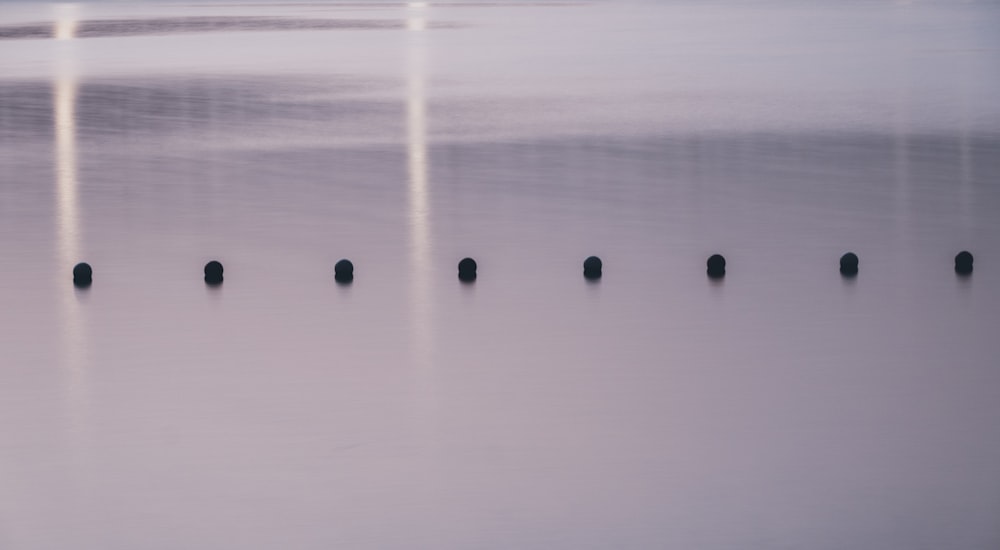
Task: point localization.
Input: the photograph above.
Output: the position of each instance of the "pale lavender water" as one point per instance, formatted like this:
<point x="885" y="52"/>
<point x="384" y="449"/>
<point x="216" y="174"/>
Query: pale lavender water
<point x="783" y="408"/>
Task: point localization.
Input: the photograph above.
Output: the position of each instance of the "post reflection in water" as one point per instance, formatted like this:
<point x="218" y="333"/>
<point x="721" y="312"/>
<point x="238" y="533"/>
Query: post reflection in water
<point x="73" y="352"/>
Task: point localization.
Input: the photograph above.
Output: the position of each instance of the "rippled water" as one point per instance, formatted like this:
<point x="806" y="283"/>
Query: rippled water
<point x="783" y="407"/>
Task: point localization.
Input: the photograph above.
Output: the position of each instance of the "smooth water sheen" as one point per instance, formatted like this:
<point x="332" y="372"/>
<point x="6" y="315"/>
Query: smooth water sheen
<point x="782" y="407"/>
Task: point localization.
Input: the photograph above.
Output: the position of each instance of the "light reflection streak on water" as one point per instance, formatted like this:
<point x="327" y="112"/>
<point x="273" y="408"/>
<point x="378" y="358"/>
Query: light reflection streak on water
<point x="417" y="170"/>
<point x="421" y="313"/>
<point x="73" y="348"/>
<point x="416" y="24"/>
<point x="66" y="22"/>
<point x="66" y="169"/>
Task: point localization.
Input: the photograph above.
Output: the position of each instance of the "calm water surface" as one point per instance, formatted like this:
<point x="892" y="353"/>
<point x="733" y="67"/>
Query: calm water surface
<point x="785" y="407"/>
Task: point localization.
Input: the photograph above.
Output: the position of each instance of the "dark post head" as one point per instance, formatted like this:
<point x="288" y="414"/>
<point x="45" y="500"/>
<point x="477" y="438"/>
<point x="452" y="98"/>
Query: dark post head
<point x="849" y="264"/>
<point x="963" y="263"/>
<point x="467" y="270"/>
<point x="83" y="275"/>
<point x="592" y="267"/>
<point x="213" y="273"/>
<point x="716" y="266"/>
<point x="343" y="271"/>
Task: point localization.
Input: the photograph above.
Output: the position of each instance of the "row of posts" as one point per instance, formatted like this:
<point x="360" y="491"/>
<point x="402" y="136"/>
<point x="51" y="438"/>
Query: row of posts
<point x="343" y="270"/>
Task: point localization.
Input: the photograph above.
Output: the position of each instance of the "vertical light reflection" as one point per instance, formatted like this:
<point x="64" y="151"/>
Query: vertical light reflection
<point x="417" y="171"/>
<point x="416" y="20"/>
<point x="66" y="22"/>
<point x="421" y="322"/>
<point x="67" y="221"/>
<point x="67" y="215"/>
<point x="416" y="24"/>
<point x="64" y="115"/>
